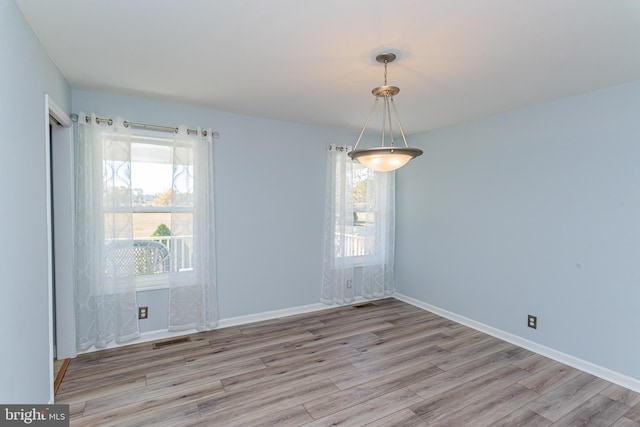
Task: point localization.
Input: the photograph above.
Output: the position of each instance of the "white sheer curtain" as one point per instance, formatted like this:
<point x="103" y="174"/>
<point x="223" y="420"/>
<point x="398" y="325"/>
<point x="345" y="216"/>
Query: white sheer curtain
<point x="105" y="296"/>
<point x="106" y="262"/>
<point x="359" y="239"/>
<point x="193" y="302"/>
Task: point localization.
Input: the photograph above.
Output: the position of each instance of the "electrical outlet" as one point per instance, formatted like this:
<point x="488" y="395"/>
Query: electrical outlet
<point x="532" y="321"/>
<point x="143" y="312"/>
<point x="349" y="284"/>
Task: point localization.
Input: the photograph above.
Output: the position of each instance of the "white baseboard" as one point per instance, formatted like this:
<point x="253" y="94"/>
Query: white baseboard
<point x="583" y="365"/>
<point x="268" y="315"/>
<point x="231" y="321"/>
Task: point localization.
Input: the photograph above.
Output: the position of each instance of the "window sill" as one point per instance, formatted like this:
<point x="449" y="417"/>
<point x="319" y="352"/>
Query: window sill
<point x="151" y="287"/>
<point x="359" y="260"/>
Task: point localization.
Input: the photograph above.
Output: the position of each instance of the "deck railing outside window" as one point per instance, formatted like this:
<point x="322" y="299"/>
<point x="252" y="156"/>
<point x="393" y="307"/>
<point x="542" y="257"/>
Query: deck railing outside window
<point x="146" y="259"/>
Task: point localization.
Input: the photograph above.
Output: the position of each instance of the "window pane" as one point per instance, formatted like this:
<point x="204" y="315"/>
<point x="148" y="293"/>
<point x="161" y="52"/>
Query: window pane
<point x="183" y="176"/>
<point x="126" y="258"/>
<point x="151" y="174"/>
<point x="117" y="226"/>
<point x="116" y="177"/>
<point x="182" y="223"/>
<point x="359" y="237"/>
<point x="161" y="178"/>
<point x="151" y="224"/>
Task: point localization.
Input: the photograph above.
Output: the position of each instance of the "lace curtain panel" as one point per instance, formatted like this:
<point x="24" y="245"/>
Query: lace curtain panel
<point x="193" y="302"/>
<point x="359" y="231"/>
<point x="105" y="287"/>
<point x="105" y="299"/>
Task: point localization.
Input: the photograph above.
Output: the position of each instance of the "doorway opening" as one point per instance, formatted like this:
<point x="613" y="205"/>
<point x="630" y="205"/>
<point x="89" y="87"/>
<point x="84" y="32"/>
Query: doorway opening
<point x="59" y="177"/>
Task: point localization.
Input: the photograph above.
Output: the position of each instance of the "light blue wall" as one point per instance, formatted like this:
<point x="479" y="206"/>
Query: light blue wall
<point x="269" y="192"/>
<point x="26" y="74"/>
<point x="534" y="211"/>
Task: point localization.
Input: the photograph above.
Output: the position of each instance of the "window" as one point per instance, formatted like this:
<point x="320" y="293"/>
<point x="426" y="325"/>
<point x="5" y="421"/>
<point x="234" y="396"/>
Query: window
<point x="359" y="233"/>
<point x="359" y="230"/>
<point x="160" y="196"/>
<point x="362" y="217"/>
<point x="144" y="218"/>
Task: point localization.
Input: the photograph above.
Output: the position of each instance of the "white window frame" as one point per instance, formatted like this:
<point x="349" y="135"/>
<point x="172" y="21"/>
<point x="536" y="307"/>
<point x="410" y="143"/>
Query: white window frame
<point x="160" y="280"/>
<point x="374" y="257"/>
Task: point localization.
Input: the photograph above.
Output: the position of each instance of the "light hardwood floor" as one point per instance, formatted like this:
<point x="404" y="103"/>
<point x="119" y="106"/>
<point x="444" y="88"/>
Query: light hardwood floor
<point x="384" y="363"/>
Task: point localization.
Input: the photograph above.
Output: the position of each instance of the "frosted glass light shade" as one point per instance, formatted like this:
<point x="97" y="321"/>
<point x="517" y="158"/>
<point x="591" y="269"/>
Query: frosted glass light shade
<point x="385" y="159"/>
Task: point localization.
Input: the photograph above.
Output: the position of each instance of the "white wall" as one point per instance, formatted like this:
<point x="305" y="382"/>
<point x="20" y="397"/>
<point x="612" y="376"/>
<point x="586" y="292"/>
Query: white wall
<point x="270" y="192"/>
<point x="534" y="211"/>
<point x="26" y="75"/>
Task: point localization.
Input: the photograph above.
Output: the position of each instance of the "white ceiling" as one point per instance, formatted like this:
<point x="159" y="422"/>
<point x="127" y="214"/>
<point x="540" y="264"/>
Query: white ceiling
<point x="313" y="61"/>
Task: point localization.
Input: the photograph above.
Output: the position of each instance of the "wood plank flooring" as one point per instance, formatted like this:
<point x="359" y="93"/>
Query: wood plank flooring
<point x="384" y="363"/>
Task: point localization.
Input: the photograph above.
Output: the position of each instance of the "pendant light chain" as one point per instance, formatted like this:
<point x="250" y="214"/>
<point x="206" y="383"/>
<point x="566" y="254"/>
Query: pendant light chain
<point x="386" y="61"/>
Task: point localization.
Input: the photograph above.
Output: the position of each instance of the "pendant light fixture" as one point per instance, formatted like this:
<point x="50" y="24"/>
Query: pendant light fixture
<point x="385" y="158"/>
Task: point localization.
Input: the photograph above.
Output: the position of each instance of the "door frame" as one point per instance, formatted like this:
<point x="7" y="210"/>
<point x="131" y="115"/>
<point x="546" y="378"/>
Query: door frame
<point x="59" y="150"/>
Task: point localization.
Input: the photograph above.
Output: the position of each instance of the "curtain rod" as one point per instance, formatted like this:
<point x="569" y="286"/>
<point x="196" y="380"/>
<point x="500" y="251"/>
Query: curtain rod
<point x="127" y="124"/>
<point x="338" y="147"/>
